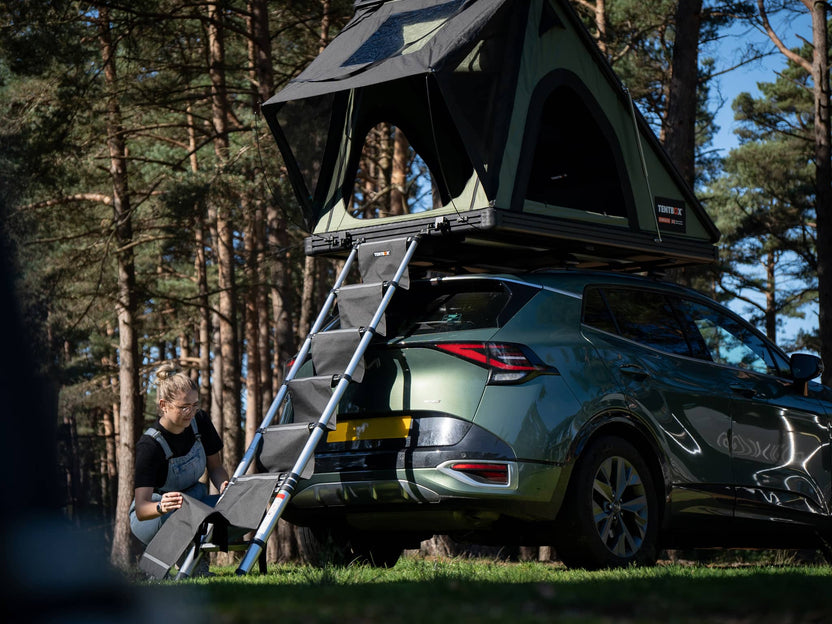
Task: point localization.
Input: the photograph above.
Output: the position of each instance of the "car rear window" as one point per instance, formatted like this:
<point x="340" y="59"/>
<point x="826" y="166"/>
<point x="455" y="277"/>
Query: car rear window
<point x="455" y="305"/>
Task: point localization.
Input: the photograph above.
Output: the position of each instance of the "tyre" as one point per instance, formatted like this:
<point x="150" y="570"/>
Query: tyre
<point x="324" y="546"/>
<point x="610" y="515"/>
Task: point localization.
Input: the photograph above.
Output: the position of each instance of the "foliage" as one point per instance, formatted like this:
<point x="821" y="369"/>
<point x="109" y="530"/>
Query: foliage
<point x="764" y="202"/>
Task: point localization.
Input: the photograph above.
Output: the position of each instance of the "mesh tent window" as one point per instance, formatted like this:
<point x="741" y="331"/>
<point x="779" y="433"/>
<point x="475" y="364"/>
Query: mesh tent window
<point x="415" y="108"/>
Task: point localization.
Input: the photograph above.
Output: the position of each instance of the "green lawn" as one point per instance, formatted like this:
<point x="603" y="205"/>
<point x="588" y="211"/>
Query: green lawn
<point x="478" y="591"/>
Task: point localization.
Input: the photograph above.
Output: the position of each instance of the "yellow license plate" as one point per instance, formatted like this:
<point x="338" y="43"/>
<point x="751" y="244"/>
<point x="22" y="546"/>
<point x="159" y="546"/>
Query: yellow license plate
<point x="371" y="429"/>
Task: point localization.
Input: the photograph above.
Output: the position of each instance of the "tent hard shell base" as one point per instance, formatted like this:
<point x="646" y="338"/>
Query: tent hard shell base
<point x="490" y="239"/>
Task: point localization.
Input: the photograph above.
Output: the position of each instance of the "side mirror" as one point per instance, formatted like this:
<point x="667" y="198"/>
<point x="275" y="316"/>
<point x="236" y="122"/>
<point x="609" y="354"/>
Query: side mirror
<point x="805" y="366"/>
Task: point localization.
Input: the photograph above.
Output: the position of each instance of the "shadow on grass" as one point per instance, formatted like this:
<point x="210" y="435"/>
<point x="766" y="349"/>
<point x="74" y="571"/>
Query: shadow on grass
<point x="457" y="592"/>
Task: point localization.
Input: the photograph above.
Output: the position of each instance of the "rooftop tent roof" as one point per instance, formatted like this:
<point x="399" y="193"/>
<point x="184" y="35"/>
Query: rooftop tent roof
<point x="529" y="138"/>
<point x="389" y="40"/>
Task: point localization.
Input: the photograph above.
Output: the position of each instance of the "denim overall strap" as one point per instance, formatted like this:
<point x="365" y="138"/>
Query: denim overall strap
<point x="160" y="440"/>
<point x="184" y="472"/>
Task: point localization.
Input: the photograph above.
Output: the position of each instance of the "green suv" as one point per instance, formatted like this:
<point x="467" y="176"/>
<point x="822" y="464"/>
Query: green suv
<point x="605" y="414"/>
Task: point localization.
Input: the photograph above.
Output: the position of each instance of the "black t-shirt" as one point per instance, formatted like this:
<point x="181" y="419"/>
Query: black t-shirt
<point x="151" y="465"/>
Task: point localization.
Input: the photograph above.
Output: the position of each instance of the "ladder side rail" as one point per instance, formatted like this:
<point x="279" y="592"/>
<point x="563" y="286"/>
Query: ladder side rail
<point x="248" y="457"/>
<point x="285" y="491"/>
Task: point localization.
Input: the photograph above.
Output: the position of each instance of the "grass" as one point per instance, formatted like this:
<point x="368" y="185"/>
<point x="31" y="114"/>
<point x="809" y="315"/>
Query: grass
<point x="462" y="591"/>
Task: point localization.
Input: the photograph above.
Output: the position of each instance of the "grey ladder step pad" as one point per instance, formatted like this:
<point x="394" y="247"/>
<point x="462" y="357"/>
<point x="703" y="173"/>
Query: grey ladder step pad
<point x="378" y="261"/>
<point x="357" y="305"/>
<point x="332" y="351"/>
<point x="282" y="446"/>
<point x="310" y="396"/>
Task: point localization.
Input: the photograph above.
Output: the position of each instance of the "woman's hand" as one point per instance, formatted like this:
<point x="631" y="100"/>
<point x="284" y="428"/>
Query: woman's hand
<point x="171" y="501"/>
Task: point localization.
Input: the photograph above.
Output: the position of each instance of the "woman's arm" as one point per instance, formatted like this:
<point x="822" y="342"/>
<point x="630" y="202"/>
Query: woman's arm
<point x="217" y="472"/>
<point x="147" y="508"/>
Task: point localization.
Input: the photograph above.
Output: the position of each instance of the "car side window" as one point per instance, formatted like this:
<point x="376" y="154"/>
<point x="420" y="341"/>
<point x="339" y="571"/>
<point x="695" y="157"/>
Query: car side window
<point x="644" y="316"/>
<point x="596" y="313"/>
<point x="728" y="340"/>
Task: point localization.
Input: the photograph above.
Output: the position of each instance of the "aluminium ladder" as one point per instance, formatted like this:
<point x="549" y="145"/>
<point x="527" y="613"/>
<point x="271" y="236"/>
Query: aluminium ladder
<point x="337" y="355"/>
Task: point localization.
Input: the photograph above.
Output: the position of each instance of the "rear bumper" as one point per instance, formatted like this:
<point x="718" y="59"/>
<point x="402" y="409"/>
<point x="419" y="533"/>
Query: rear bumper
<point x="381" y="484"/>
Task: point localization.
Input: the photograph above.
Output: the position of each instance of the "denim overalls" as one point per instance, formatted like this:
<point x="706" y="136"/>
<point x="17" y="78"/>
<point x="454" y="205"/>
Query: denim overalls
<point x="183" y="476"/>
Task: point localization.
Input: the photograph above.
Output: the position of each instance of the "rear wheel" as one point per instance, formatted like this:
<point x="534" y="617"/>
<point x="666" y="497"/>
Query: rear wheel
<point x="610" y="515"/>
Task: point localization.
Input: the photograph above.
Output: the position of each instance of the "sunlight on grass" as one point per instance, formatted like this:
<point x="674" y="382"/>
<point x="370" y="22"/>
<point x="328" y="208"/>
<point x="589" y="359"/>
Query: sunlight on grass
<point x="459" y="591"/>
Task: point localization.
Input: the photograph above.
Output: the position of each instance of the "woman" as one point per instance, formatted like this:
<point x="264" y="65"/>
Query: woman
<point x="172" y="455"/>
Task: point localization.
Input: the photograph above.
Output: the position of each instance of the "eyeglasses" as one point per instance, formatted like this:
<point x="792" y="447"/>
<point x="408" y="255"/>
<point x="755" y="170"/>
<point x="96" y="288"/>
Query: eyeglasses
<point x="186" y="409"/>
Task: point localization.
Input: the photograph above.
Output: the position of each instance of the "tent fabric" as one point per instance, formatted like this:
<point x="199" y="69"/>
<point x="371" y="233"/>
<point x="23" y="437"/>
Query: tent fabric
<point x="391" y="40"/>
<point x="242" y="505"/>
<point x="485" y="91"/>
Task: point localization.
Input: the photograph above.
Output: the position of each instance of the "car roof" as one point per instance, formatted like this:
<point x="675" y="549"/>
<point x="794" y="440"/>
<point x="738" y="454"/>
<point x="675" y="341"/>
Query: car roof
<point x="574" y="281"/>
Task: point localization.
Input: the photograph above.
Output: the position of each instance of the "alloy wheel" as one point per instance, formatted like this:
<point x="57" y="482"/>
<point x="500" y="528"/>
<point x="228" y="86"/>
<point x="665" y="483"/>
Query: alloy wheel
<point x="619" y="506"/>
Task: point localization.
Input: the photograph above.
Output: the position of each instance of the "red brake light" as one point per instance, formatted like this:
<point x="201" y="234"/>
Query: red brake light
<point x="507" y="362"/>
<point x="488" y="473"/>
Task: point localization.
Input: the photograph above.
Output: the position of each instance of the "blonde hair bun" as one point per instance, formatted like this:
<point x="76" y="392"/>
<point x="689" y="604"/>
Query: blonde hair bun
<point x="172" y="382"/>
<point x="166" y="371"/>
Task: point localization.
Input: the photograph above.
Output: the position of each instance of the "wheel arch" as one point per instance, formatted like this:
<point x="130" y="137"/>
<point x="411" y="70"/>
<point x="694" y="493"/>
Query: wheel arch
<point x="632" y="429"/>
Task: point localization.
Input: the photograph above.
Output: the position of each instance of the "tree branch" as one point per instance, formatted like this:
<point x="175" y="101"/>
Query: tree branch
<point x="792" y="56"/>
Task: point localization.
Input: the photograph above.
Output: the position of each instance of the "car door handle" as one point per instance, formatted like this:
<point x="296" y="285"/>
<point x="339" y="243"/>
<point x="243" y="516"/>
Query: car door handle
<point x="745" y="391"/>
<point x="634" y="370"/>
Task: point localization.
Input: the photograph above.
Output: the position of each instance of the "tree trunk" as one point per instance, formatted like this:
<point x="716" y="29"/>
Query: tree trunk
<point x="680" y="127"/>
<point x="771" y="298"/>
<point x="200" y="264"/>
<point x="225" y="245"/>
<point x="307" y="297"/>
<point x="819" y="70"/>
<point x="201" y="271"/>
<point x="310" y="269"/>
<point x="282" y="297"/>
<point x="128" y="350"/>
<point x="254" y="411"/>
<point x="823" y="179"/>
<point x="109" y="425"/>
<point x="216" y="374"/>
<point x="385" y="168"/>
<point x="398" y="175"/>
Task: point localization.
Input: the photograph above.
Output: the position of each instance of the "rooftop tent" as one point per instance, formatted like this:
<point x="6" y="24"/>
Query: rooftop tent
<point x="494" y="126"/>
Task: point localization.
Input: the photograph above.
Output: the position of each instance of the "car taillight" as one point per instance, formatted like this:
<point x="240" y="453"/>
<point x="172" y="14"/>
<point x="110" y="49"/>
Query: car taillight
<point x="507" y="363"/>
<point x="496" y="474"/>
